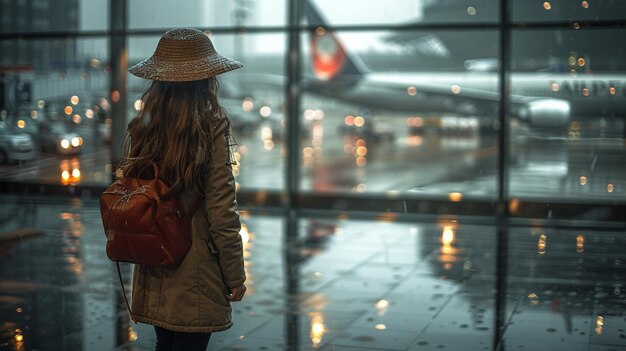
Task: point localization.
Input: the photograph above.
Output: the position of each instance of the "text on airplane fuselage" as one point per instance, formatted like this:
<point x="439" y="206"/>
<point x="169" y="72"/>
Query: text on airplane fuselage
<point x="590" y="87"/>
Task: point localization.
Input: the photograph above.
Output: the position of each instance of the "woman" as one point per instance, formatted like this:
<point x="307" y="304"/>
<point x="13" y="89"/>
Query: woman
<point x="183" y="129"/>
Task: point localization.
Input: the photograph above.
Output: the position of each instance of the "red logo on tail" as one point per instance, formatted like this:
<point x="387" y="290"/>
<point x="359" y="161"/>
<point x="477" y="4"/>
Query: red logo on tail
<point x="328" y="55"/>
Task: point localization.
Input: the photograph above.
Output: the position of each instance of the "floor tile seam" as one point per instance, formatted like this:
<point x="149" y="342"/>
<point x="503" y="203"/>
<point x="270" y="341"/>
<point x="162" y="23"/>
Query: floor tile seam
<point x="403" y="278"/>
<point x="605" y="344"/>
<point x="437" y="313"/>
<point x="507" y="323"/>
<point x="562" y="282"/>
<point x="321" y="287"/>
<point x="419" y="335"/>
<point x="362" y="348"/>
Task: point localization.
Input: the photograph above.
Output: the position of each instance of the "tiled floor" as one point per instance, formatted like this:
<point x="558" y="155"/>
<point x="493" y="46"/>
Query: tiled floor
<point x="348" y="285"/>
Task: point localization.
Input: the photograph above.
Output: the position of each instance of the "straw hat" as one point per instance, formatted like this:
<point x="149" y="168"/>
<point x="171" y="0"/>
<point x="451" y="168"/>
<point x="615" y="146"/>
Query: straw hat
<point x="183" y="55"/>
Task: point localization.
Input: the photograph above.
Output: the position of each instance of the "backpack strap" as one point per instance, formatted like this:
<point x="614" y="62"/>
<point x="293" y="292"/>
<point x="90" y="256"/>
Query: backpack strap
<point x="119" y="274"/>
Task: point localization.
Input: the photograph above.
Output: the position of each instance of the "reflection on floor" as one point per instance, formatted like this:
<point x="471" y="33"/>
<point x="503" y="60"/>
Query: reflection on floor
<point x="346" y="285"/>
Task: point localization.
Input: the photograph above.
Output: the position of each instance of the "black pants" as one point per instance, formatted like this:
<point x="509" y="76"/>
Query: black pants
<point x="168" y="340"/>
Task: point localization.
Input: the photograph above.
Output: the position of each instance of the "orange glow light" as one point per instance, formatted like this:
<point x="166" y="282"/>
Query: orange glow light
<point x="580" y="243"/>
<point x="447" y="236"/>
<point x="361" y="161"/>
<point x="349" y="120"/>
<point x="514" y="205"/>
<point x="359" y="121"/>
<point x="541" y="244"/>
<point x="415" y="140"/>
<point x="68" y="110"/>
<point x="455" y="196"/>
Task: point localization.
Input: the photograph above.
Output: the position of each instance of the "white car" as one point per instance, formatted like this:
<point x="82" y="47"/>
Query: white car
<point x="57" y="138"/>
<point x="15" y="146"/>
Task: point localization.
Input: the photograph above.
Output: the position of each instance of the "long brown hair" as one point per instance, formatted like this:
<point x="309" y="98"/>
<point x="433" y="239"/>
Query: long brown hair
<point x="173" y="130"/>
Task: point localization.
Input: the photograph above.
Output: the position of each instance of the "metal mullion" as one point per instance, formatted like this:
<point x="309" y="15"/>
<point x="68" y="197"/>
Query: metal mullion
<point x="55" y="35"/>
<point x="292" y="173"/>
<point x="502" y="212"/>
<point x="292" y="101"/>
<point x="118" y="52"/>
<point x="618" y="24"/>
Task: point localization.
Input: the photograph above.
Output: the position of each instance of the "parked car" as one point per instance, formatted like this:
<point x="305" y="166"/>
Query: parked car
<point x="15" y="145"/>
<point x="58" y="138"/>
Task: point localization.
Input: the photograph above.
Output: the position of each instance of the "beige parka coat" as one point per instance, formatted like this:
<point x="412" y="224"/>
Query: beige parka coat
<point x="191" y="297"/>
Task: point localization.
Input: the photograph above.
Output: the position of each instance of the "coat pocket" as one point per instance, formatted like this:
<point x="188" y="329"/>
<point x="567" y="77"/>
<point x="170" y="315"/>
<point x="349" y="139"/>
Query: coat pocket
<point x="211" y="285"/>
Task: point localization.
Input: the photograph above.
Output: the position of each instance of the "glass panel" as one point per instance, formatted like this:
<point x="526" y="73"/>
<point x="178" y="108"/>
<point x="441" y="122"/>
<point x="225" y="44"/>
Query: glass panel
<point x="43" y="16"/>
<point x="145" y="14"/>
<point x="564" y="289"/>
<point x="415" y="114"/>
<point x="252" y="97"/>
<point x="394" y="12"/>
<point x="567" y="10"/>
<point x="53" y="113"/>
<point x="568" y="92"/>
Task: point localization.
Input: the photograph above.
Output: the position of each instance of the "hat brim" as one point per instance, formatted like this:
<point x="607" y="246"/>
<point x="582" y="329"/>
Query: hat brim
<point x="162" y="70"/>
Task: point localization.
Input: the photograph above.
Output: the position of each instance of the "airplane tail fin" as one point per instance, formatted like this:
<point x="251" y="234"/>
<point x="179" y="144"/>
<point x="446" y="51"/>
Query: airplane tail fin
<point x="330" y="59"/>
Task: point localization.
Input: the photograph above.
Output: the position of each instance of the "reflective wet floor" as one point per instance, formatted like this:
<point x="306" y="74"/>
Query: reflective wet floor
<point x="334" y="284"/>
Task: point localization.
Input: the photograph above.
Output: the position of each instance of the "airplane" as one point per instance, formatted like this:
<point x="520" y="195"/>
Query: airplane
<point x="542" y="99"/>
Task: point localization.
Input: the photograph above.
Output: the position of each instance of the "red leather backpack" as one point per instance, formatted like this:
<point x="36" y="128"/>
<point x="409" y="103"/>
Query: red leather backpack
<point x="144" y="226"/>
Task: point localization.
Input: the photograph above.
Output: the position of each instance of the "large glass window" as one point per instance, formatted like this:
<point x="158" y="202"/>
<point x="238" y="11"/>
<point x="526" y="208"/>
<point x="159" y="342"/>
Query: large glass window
<point x="396" y="99"/>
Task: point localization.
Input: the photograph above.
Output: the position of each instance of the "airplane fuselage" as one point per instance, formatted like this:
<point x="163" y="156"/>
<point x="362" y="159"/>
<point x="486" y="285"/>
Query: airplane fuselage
<point x="477" y="92"/>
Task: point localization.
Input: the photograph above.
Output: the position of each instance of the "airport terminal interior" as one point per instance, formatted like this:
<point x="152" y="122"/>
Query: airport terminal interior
<point x="411" y="174"/>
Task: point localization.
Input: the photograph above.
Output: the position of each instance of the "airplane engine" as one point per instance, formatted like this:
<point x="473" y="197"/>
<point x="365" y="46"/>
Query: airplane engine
<point x="546" y="113"/>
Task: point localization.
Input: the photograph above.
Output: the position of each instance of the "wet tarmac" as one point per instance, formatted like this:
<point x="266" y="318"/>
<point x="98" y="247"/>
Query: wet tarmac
<point x="585" y="162"/>
<point x="331" y="283"/>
